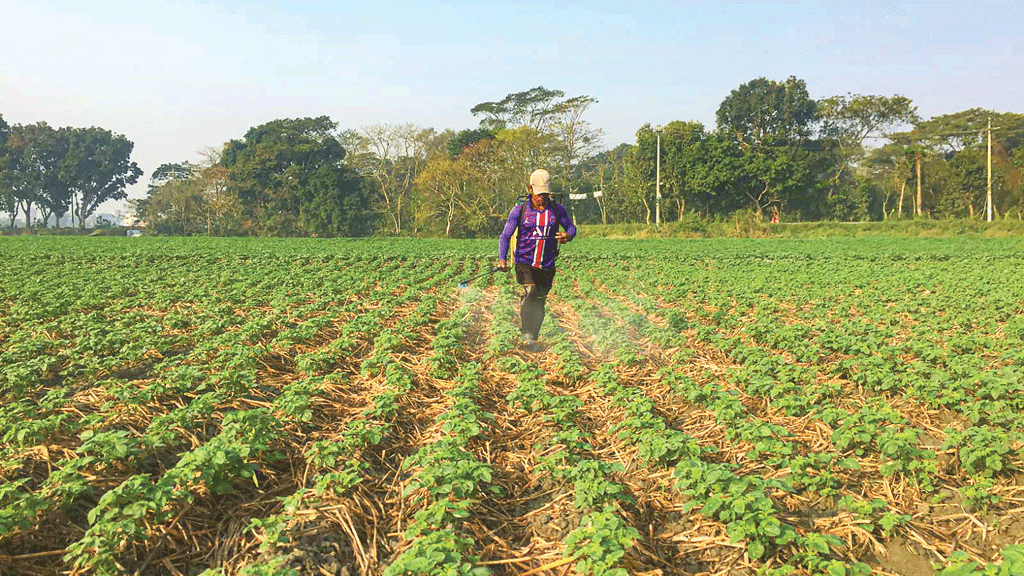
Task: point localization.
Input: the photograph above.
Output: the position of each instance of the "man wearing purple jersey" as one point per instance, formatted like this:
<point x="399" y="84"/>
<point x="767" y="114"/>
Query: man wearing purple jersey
<point x="538" y="222"/>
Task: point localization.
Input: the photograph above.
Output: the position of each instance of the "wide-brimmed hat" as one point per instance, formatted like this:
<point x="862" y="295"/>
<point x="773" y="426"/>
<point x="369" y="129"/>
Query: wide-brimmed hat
<point x="540" y="181"/>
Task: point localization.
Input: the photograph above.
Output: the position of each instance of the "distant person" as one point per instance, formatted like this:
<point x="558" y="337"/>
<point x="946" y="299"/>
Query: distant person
<point x="538" y="221"/>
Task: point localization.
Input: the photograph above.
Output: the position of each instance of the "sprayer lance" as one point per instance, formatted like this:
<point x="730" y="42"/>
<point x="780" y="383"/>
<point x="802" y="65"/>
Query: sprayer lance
<point x="465" y="283"/>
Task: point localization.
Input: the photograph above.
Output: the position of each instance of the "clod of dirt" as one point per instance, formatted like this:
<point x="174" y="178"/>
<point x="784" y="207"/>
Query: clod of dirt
<point x="1010" y="531"/>
<point x="319" y="551"/>
<point x="904" y="558"/>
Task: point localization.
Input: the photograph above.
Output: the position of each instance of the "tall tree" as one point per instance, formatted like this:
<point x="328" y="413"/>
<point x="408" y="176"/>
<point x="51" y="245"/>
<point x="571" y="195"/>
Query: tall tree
<point x="623" y="186"/>
<point x="545" y="118"/>
<point x="396" y="154"/>
<point x="915" y="148"/>
<point x="640" y="171"/>
<point x="576" y="139"/>
<point x="644" y="161"/>
<point x="534" y="108"/>
<point x="848" y="121"/>
<point x="449" y="203"/>
<point x="891" y="166"/>
<point x="97" y="168"/>
<point x="605" y="171"/>
<point x="186" y="198"/>
<point x="164" y="173"/>
<point x="18" y="179"/>
<point x="52" y="148"/>
<point x="31" y="174"/>
<point x="174" y="203"/>
<point x="224" y="212"/>
<point x="280" y="166"/>
<point x="773" y="122"/>
<point x="518" y="153"/>
<point x="764" y="112"/>
<point x="683" y="158"/>
<point x="488" y="176"/>
<point x="176" y="207"/>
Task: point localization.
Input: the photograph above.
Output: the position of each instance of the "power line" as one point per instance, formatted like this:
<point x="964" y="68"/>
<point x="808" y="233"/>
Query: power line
<point x="978" y="132"/>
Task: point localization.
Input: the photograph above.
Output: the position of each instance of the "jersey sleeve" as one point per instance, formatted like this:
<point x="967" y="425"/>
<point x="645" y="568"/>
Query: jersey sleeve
<point x="506" y="234"/>
<point x="565" y="221"/>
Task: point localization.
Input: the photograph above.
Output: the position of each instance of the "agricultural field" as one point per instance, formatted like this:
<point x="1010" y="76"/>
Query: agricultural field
<point x="342" y="407"/>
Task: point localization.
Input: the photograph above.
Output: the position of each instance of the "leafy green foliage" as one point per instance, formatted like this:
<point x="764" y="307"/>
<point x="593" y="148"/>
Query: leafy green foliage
<point x="983" y="451"/>
<point x="960" y="564"/>
<point x="600" y="543"/>
<point x="290" y="177"/>
<point x="179" y="366"/>
<point x="438" y="553"/>
<point x="741" y="502"/>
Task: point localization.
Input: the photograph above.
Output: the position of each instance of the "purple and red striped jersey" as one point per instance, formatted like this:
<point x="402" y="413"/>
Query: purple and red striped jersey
<point x="536" y="245"/>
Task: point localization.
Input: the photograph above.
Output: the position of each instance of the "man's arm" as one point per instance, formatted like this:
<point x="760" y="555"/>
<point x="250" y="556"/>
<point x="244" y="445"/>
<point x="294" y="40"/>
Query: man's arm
<point x="506" y="236"/>
<point x="566" y="223"/>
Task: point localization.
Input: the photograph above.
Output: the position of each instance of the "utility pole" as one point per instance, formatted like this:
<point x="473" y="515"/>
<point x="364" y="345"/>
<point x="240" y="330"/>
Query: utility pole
<point x="918" y="158"/>
<point x="657" y="186"/>
<point x="988" y="195"/>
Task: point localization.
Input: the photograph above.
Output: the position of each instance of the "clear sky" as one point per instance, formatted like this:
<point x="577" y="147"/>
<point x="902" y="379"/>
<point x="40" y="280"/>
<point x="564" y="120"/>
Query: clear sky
<point x="175" y="77"/>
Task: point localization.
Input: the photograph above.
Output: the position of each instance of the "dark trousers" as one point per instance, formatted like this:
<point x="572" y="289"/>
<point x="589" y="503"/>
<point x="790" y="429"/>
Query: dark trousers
<point x="536" y="284"/>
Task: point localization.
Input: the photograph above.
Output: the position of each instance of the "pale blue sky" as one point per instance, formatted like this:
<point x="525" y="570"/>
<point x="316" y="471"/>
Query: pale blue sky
<point x="177" y="77"/>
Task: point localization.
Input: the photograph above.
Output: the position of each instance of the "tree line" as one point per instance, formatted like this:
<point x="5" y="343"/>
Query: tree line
<point x="774" y="153"/>
<point x="52" y="173"/>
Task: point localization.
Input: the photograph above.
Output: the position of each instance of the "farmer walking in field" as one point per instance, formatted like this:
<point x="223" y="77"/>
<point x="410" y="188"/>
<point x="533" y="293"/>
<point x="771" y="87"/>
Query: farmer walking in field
<point x="538" y="221"/>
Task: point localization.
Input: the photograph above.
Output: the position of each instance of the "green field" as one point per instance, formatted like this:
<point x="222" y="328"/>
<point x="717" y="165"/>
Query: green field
<point x="304" y="406"/>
